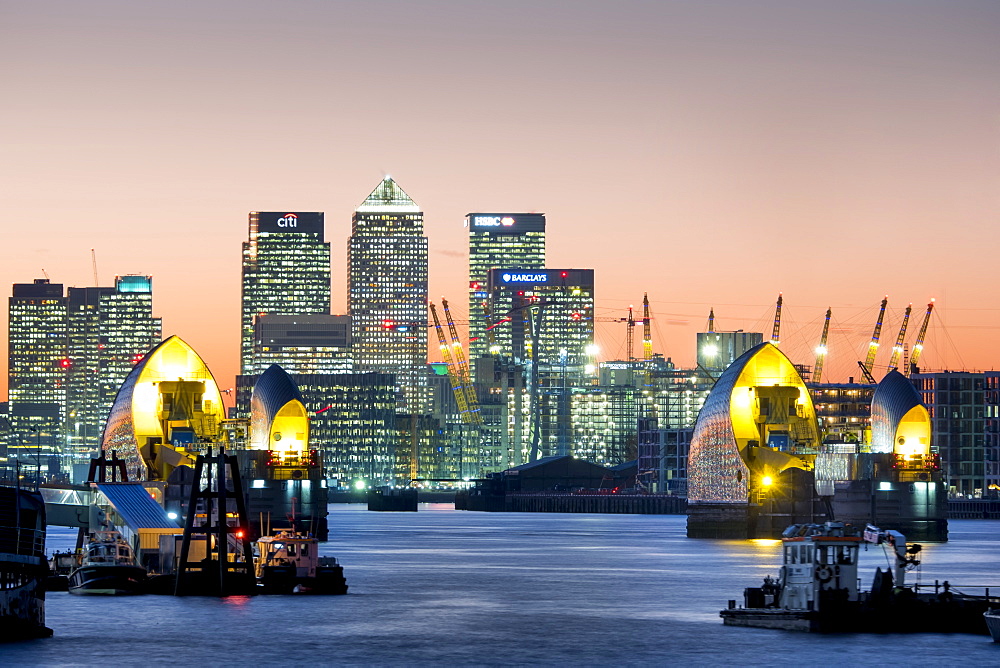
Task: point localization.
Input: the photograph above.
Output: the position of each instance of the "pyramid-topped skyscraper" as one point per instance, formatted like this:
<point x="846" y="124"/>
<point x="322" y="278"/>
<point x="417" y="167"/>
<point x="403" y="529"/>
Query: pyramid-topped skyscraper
<point x="387" y="289"/>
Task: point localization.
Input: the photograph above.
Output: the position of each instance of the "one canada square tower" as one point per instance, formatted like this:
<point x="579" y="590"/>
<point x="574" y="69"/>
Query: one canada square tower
<point x="387" y="288"/>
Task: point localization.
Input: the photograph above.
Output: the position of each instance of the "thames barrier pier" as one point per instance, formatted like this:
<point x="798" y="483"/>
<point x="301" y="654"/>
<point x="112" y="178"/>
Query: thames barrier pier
<point x="757" y="463"/>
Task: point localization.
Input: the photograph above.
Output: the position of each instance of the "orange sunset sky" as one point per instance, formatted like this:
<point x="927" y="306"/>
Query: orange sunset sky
<point x="712" y="154"/>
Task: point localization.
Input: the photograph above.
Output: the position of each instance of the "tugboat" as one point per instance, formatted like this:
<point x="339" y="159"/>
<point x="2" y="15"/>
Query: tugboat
<point x="108" y="567"/>
<point x="23" y="567"/>
<point x="817" y="589"/>
<point x="289" y="563"/>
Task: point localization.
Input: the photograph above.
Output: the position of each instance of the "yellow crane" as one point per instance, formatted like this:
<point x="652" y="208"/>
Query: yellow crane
<point x="873" y="345"/>
<point x="453" y="375"/>
<point x="918" y="345"/>
<point x="471" y="402"/>
<point x="897" y="349"/>
<point x="777" y="323"/>
<point x="821" y="349"/>
<point x="711" y="320"/>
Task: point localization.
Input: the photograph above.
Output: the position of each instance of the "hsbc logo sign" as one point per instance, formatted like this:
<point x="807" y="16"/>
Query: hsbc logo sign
<point x="288" y="220"/>
<point x="493" y="221"/>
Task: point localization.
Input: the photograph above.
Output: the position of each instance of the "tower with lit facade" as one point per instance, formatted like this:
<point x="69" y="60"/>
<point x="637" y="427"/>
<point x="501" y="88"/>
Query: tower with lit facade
<point x="68" y="356"/>
<point x="109" y="330"/>
<point x="498" y="240"/>
<point x="37" y="364"/>
<point x="387" y="289"/>
<point x="286" y="271"/>
<point x="551" y="307"/>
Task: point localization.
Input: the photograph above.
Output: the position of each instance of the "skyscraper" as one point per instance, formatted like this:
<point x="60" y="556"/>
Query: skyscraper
<point x="109" y="330"/>
<point x="286" y="271"/>
<point x="37" y="363"/>
<point x="387" y="289"/>
<point x="559" y="301"/>
<point x="498" y="240"/>
<point x="69" y="355"/>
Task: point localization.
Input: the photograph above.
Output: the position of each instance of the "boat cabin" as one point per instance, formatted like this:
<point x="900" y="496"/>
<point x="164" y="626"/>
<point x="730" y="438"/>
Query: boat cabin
<point x="108" y="547"/>
<point x="287" y="548"/>
<point x="818" y="558"/>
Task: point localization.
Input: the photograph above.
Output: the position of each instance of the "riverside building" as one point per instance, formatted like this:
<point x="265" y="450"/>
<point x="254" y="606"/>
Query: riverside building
<point x="286" y="271"/>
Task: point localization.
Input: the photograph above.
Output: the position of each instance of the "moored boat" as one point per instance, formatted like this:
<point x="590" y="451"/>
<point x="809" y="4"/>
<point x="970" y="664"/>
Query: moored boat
<point x="108" y="567"/>
<point x="992" y="617"/>
<point x="817" y="589"/>
<point x="23" y="567"/>
<point x="289" y="563"/>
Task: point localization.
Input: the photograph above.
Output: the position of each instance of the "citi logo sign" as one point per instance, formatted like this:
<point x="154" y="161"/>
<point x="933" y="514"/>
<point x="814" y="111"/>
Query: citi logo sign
<point x="525" y="278"/>
<point x="290" y="220"/>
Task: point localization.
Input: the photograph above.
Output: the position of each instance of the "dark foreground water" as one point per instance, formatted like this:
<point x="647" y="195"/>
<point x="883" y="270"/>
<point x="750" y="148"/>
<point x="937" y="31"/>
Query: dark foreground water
<point x="458" y="588"/>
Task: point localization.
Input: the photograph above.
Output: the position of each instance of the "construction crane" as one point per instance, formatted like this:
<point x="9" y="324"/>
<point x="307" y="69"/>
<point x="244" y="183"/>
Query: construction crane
<point x="93" y="261"/>
<point x="629" y="335"/>
<point x="647" y="343"/>
<point x="873" y="345"/>
<point x="463" y="368"/>
<point x="897" y="349"/>
<point x="775" y="339"/>
<point x="821" y="349"/>
<point x="918" y="345"/>
<point x="647" y="331"/>
<point x="453" y="376"/>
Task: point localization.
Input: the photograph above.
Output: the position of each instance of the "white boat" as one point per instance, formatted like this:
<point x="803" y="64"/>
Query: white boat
<point x="992" y="617"/>
<point x="108" y="567"/>
<point x="289" y="563"/>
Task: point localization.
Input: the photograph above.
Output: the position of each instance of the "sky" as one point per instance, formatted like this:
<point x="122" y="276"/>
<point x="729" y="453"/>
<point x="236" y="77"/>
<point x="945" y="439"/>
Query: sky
<point x="711" y="154"/>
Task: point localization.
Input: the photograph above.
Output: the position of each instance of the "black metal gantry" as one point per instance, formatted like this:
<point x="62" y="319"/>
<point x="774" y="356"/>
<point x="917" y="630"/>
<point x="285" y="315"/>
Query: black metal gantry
<point x="216" y="574"/>
<point x="107" y="469"/>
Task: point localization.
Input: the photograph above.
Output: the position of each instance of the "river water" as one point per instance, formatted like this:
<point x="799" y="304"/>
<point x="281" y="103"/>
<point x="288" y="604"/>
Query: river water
<point x="444" y="587"/>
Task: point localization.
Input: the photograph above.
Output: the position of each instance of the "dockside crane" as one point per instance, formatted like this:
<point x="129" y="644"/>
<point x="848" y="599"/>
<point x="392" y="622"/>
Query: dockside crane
<point x="918" y="345"/>
<point x="777" y="322"/>
<point x="821" y="349"/>
<point x="873" y="345"/>
<point x="897" y="349"/>
<point x="463" y="368"/>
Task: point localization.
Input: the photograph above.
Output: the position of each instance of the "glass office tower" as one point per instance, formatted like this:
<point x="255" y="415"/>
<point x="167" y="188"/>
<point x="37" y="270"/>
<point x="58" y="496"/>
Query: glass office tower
<point x="387" y="290"/>
<point x="286" y="271"/>
<point x="498" y="240"/>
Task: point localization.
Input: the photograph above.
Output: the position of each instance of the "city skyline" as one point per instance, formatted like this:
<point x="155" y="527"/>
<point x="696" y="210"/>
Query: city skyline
<point x="710" y="157"/>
